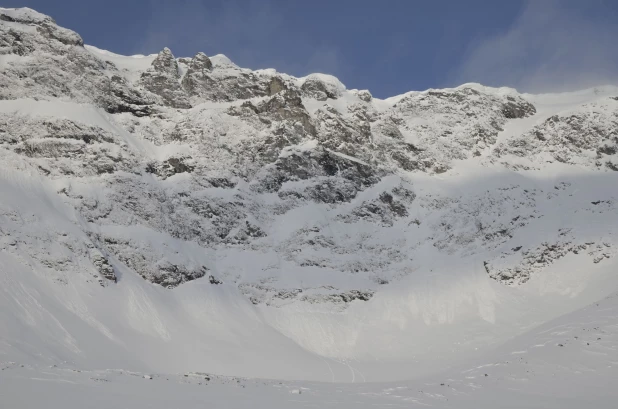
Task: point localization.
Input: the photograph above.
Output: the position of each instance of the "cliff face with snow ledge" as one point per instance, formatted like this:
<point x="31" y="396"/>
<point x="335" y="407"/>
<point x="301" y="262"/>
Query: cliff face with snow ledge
<point x="187" y="213"/>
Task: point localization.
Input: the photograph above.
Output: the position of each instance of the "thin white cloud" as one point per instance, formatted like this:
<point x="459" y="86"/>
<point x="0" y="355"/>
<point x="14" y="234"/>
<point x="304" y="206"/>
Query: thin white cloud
<point x="325" y="59"/>
<point x="198" y="24"/>
<point x="246" y="31"/>
<point x="548" y="48"/>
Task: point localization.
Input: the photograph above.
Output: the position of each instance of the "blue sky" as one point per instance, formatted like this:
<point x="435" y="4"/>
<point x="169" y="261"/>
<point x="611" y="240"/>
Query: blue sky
<point x="388" y="46"/>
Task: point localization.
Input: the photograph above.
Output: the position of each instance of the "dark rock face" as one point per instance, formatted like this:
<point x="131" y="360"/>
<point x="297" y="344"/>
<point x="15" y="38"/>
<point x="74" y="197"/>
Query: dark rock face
<point x="122" y="98"/>
<point x="330" y="191"/>
<point x="206" y="82"/>
<point x="171" y="275"/>
<point x="64" y="147"/>
<point x="58" y="59"/>
<point x="200" y="63"/>
<point x="148" y="263"/>
<point x="164" y="81"/>
<point x="612" y="165"/>
<point x="166" y="64"/>
<point x="570" y="139"/>
<point x="343" y="134"/>
<point x="214" y="281"/>
<point x="274" y="297"/>
<point x="199" y="68"/>
<point x="355" y="295"/>
<point x="276" y="85"/>
<point x="364" y="95"/>
<point x="245" y="234"/>
<point x="171" y="166"/>
<point x="12" y="42"/>
<point x="513" y="109"/>
<point x="318" y="89"/>
<point x="45" y="25"/>
<point x="385" y="209"/>
<point x="60" y="67"/>
<point x="536" y="259"/>
<point x="63" y="35"/>
<point x="286" y="106"/>
<point x="336" y="179"/>
<point x="103" y="266"/>
<point x="469" y="123"/>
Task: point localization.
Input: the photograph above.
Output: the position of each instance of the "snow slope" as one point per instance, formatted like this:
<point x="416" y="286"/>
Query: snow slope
<point x="570" y="362"/>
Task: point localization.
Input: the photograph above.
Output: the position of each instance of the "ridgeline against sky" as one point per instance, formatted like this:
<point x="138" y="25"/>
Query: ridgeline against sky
<point x="388" y="48"/>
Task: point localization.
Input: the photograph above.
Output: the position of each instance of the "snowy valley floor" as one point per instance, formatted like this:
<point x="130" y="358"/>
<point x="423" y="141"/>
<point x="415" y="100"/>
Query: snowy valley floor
<point x="570" y="362"/>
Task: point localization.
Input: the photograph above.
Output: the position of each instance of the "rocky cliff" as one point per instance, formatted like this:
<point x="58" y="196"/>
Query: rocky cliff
<point x="293" y="190"/>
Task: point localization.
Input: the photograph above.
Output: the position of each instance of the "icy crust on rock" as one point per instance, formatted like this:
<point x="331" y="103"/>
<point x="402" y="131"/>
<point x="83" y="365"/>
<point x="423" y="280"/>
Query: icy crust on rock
<point x="336" y="223"/>
<point x="24" y="15"/>
<point x="586" y="136"/>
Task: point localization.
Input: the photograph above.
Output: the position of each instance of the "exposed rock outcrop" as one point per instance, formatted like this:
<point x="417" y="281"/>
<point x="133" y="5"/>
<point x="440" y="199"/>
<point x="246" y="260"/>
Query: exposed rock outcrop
<point x="181" y="169"/>
<point x="164" y="80"/>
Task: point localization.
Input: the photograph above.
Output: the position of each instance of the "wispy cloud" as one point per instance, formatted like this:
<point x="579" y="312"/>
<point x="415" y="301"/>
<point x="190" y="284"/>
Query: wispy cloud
<point x="324" y="59"/>
<point x="549" y="47"/>
<point x="199" y="24"/>
<point x="249" y="32"/>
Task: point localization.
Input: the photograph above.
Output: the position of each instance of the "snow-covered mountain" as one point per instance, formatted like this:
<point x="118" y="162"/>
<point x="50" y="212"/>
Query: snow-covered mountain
<point x="185" y="214"/>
